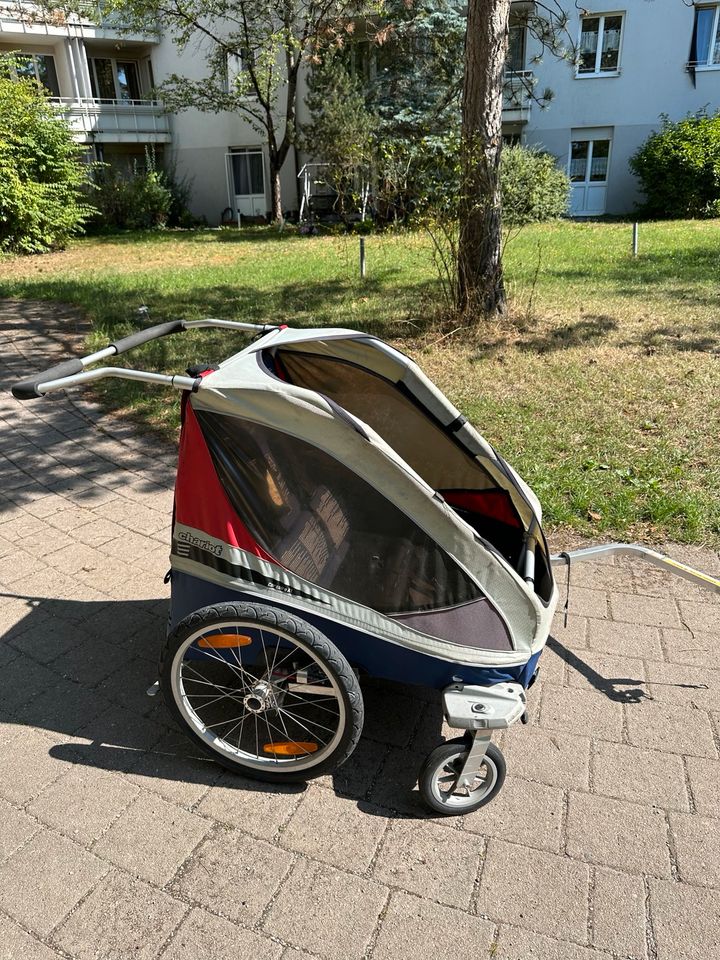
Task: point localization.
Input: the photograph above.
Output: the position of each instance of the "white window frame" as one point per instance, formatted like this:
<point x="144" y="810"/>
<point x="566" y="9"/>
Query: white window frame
<point x="598" y="53"/>
<point x="140" y="67"/>
<point x="591" y="139"/>
<point x="711" y="64"/>
<point x="32" y="55"/>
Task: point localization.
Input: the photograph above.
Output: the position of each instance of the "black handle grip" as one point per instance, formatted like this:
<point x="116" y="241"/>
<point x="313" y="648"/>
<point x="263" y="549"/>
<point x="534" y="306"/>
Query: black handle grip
<point x="149" y="333"/>
<point x="27" y="389"/>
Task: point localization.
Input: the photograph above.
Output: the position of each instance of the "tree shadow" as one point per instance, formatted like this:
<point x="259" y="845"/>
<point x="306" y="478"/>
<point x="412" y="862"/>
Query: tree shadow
<point x="587" y="331"/>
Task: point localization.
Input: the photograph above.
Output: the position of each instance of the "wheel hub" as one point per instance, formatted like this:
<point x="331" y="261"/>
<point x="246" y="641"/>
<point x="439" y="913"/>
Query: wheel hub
<point x="260" y="698"/>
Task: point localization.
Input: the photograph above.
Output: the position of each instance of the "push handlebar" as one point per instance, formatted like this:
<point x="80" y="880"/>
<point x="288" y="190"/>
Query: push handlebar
<point x="71" y="372"/>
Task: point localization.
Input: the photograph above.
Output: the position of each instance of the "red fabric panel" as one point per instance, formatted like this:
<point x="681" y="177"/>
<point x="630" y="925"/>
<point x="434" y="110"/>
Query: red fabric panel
<point x="494" y="504"/>
<point x="200" y="500"/>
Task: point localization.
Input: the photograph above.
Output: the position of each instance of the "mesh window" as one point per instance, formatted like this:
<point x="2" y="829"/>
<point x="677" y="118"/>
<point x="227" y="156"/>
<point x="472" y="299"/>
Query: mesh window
<point x="402" y="425"/>
<point x="326" y="524"/>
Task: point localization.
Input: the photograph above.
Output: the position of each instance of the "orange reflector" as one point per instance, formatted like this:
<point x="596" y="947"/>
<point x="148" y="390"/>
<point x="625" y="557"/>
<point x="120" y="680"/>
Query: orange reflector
<point x="224" y="640"/>
<point x="290" y="748"/>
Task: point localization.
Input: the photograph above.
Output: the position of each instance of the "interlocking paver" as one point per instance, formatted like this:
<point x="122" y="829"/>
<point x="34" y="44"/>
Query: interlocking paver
<point x="517" y="944"/>
<point x="674" y="729"/>
<point x="152" y="838"/>
<point x="44" y="879"/>
<point x="17" y="944"/>
<point x="17" y="828"/>
<point x="704" y="776"/>
<point x="618" y="918"/>
<point x="413" y="927"/>
<point x="26" y="765"/>
<point x="566" y="709"/>
<point x="697" y="846"/>
<point x="506" y="817"/>
<point x="648" y="611"/>
<point x="234" y="874"/>
<point x="203" y="935"/>
<point x="335" y="830"/>
<point x="326" y="911"/>
<point x="430" y="859"/>
<point x="558" y="759"/>
<point x="643" y="776"/>
<point x="694" y="648"/>
<point x="534" y="889"/>
<point x="121" y="918"/>
<point x="259" y="808"/>
<point x="703" y="617"/>
<point x="614" y="833"/>
<point x="685" y="921"/>
<point x="692" y="685"/>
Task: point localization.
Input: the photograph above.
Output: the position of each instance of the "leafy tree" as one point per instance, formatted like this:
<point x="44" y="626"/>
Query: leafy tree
<point x="253" y="51"/>
<point x="532" y="186"/>
<point x="679" y="168"/>
<point x="41" y="175"/>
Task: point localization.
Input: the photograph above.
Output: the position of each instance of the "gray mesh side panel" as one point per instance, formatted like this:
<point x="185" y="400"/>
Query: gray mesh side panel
<point x="474" y="624"/>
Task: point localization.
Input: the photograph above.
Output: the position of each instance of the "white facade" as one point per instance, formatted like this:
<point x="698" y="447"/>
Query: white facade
<point x="639" y="61"/>
<point x="663" y="60"/>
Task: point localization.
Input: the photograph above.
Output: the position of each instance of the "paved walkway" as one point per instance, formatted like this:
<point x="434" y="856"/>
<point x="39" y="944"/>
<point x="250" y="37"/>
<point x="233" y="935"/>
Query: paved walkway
<point x="116" y="842"/>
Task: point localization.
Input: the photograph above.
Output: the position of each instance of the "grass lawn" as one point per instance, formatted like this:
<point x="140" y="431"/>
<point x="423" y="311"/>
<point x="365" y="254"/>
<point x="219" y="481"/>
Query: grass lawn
<point x="602" y="387"/>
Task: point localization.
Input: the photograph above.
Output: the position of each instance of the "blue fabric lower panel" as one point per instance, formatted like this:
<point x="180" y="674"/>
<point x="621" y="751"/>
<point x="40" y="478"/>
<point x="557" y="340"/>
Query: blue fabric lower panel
<point x="381" y="659"/>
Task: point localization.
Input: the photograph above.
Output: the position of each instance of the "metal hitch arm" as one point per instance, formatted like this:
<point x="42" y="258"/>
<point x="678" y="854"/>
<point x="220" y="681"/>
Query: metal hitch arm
<point x="645" y="553"/>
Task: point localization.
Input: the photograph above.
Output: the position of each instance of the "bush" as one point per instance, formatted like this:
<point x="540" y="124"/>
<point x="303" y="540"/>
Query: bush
<point x="41" y="174"/>
<point x="533" y="187"/>
<point x="679" y="168"/>
<point x="137" y="200"/>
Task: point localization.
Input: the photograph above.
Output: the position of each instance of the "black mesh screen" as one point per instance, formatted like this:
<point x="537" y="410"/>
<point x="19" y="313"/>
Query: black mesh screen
<point x="326" y="524"/>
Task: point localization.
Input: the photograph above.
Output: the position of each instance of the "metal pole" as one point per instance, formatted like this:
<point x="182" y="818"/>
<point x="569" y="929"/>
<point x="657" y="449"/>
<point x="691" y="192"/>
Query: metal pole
<point x="362" y="258"/>
<point x="635" y="239"/>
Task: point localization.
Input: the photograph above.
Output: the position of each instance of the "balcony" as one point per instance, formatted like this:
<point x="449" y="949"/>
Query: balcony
<point x="116" y="121"/>
<point x="517" y="96"/>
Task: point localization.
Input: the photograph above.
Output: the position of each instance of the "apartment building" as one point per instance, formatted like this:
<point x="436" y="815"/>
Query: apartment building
<point x="637" y="62"/>
<point x="101" y="78"/>
<point x="640" y="61"/>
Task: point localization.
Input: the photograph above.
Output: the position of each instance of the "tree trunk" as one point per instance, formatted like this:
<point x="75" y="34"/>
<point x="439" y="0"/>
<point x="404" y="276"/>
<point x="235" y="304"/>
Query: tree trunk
<point x="277" y="214"/>
<point x="480" y="279"/>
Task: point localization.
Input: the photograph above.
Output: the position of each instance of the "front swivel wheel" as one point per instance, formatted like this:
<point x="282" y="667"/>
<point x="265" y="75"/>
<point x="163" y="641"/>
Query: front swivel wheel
<point x="440" y="777"/>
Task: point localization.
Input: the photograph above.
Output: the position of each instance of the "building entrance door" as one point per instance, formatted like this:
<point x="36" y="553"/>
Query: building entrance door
<point x="588" y="170"/>
<point x="247" y="182"/>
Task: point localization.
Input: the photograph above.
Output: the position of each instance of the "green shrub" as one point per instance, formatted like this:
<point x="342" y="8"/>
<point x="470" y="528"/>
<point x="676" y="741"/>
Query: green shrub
<point x="41" y="175"/>
<point x="144" y="197"/>
<point x="533" y="187"/>
<point x="679" y="168"/>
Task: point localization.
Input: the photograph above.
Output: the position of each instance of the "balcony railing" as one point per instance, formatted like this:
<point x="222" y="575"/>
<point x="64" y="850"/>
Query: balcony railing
<point x="517" y="94"/>
<point x="116" y="120"/>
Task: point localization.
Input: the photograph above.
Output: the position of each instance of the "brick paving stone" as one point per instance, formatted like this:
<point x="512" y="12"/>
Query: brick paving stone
<point x="17" y="828"/>
<point x="704" y="776"/>
<point x="558" y="759"/>
<point x="22" y="680"/>
<point x="647" y="611"/>
<point x="413" y="927"/>
<point x="44" y="637"/>
<point x="552" y="666"/>
<point x="694" y="648"/>
<point x="618" y="913"/>
<point x="326" y="911"/>
<point x="567" y="709"/>
<point x="517" y="944"/>
<point x="234" y="874"/>
<point x="685" y="921"/>
<point x="431" y="860"/>
<point x="701" y="617"/>
<point x="335" y="830"/>
<point x="390" y="715"/>
<point x="617" y="834"/>
<point x="506" y="816"/>
<point x="593" y="671"/>
<point x="42" y="882"/>
<point x="694" y="686"/>
<point x="16" y="944"/>
<point x="83" y="802"/>
<point x="121" y="918"/>
<point x="27" y="765"/>
<point x="203" y="935"/>
<point x="18" y="566"/>
<point x="572" y="636"/>
<point x="98" y="532"/>
<point x="152" y="838"/>
<point x="589" y="603"/>
<point x="356" y="777"/>
<point x="642" y="776"/>
<point x="175" y="770"/>
<point x="674" y="729"/>
<point x="536" y="890"/>
<point x="697" y="846"/>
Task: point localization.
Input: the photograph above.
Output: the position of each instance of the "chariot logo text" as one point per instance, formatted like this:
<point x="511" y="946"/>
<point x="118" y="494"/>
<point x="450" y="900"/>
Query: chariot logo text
<point x="214" y="548"/>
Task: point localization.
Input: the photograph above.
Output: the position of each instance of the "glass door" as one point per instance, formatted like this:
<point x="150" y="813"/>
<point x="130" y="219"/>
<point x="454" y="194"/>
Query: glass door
<point x="247" y="176"/>
<point x="588" y="171"/>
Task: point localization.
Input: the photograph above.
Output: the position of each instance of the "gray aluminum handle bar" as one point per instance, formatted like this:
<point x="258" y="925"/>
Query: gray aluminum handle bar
<point x="70" y="373"/>
<point x="645" y="553"/>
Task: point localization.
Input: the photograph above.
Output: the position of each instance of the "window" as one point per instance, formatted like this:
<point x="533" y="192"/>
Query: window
<point x="247" y="168"/>
<point x="41" y="68"/>
<point x="706" y="37"/>
<point x="589" y="161"/>
<point x="114" y="79"/>
<point x="600" y="44"/>
<point x="515" y="59"/>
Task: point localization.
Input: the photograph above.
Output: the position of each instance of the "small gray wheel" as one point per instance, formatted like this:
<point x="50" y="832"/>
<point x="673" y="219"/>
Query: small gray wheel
<point x="439" y="776"/>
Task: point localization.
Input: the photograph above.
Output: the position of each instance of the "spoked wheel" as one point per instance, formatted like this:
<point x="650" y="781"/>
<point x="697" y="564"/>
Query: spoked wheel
<point x="438" y="781"/>
<point x="262" y="691"/>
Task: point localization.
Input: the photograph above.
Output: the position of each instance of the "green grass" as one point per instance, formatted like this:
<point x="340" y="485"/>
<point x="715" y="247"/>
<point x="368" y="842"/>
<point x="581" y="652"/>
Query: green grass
<point x="602" y="387"/>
